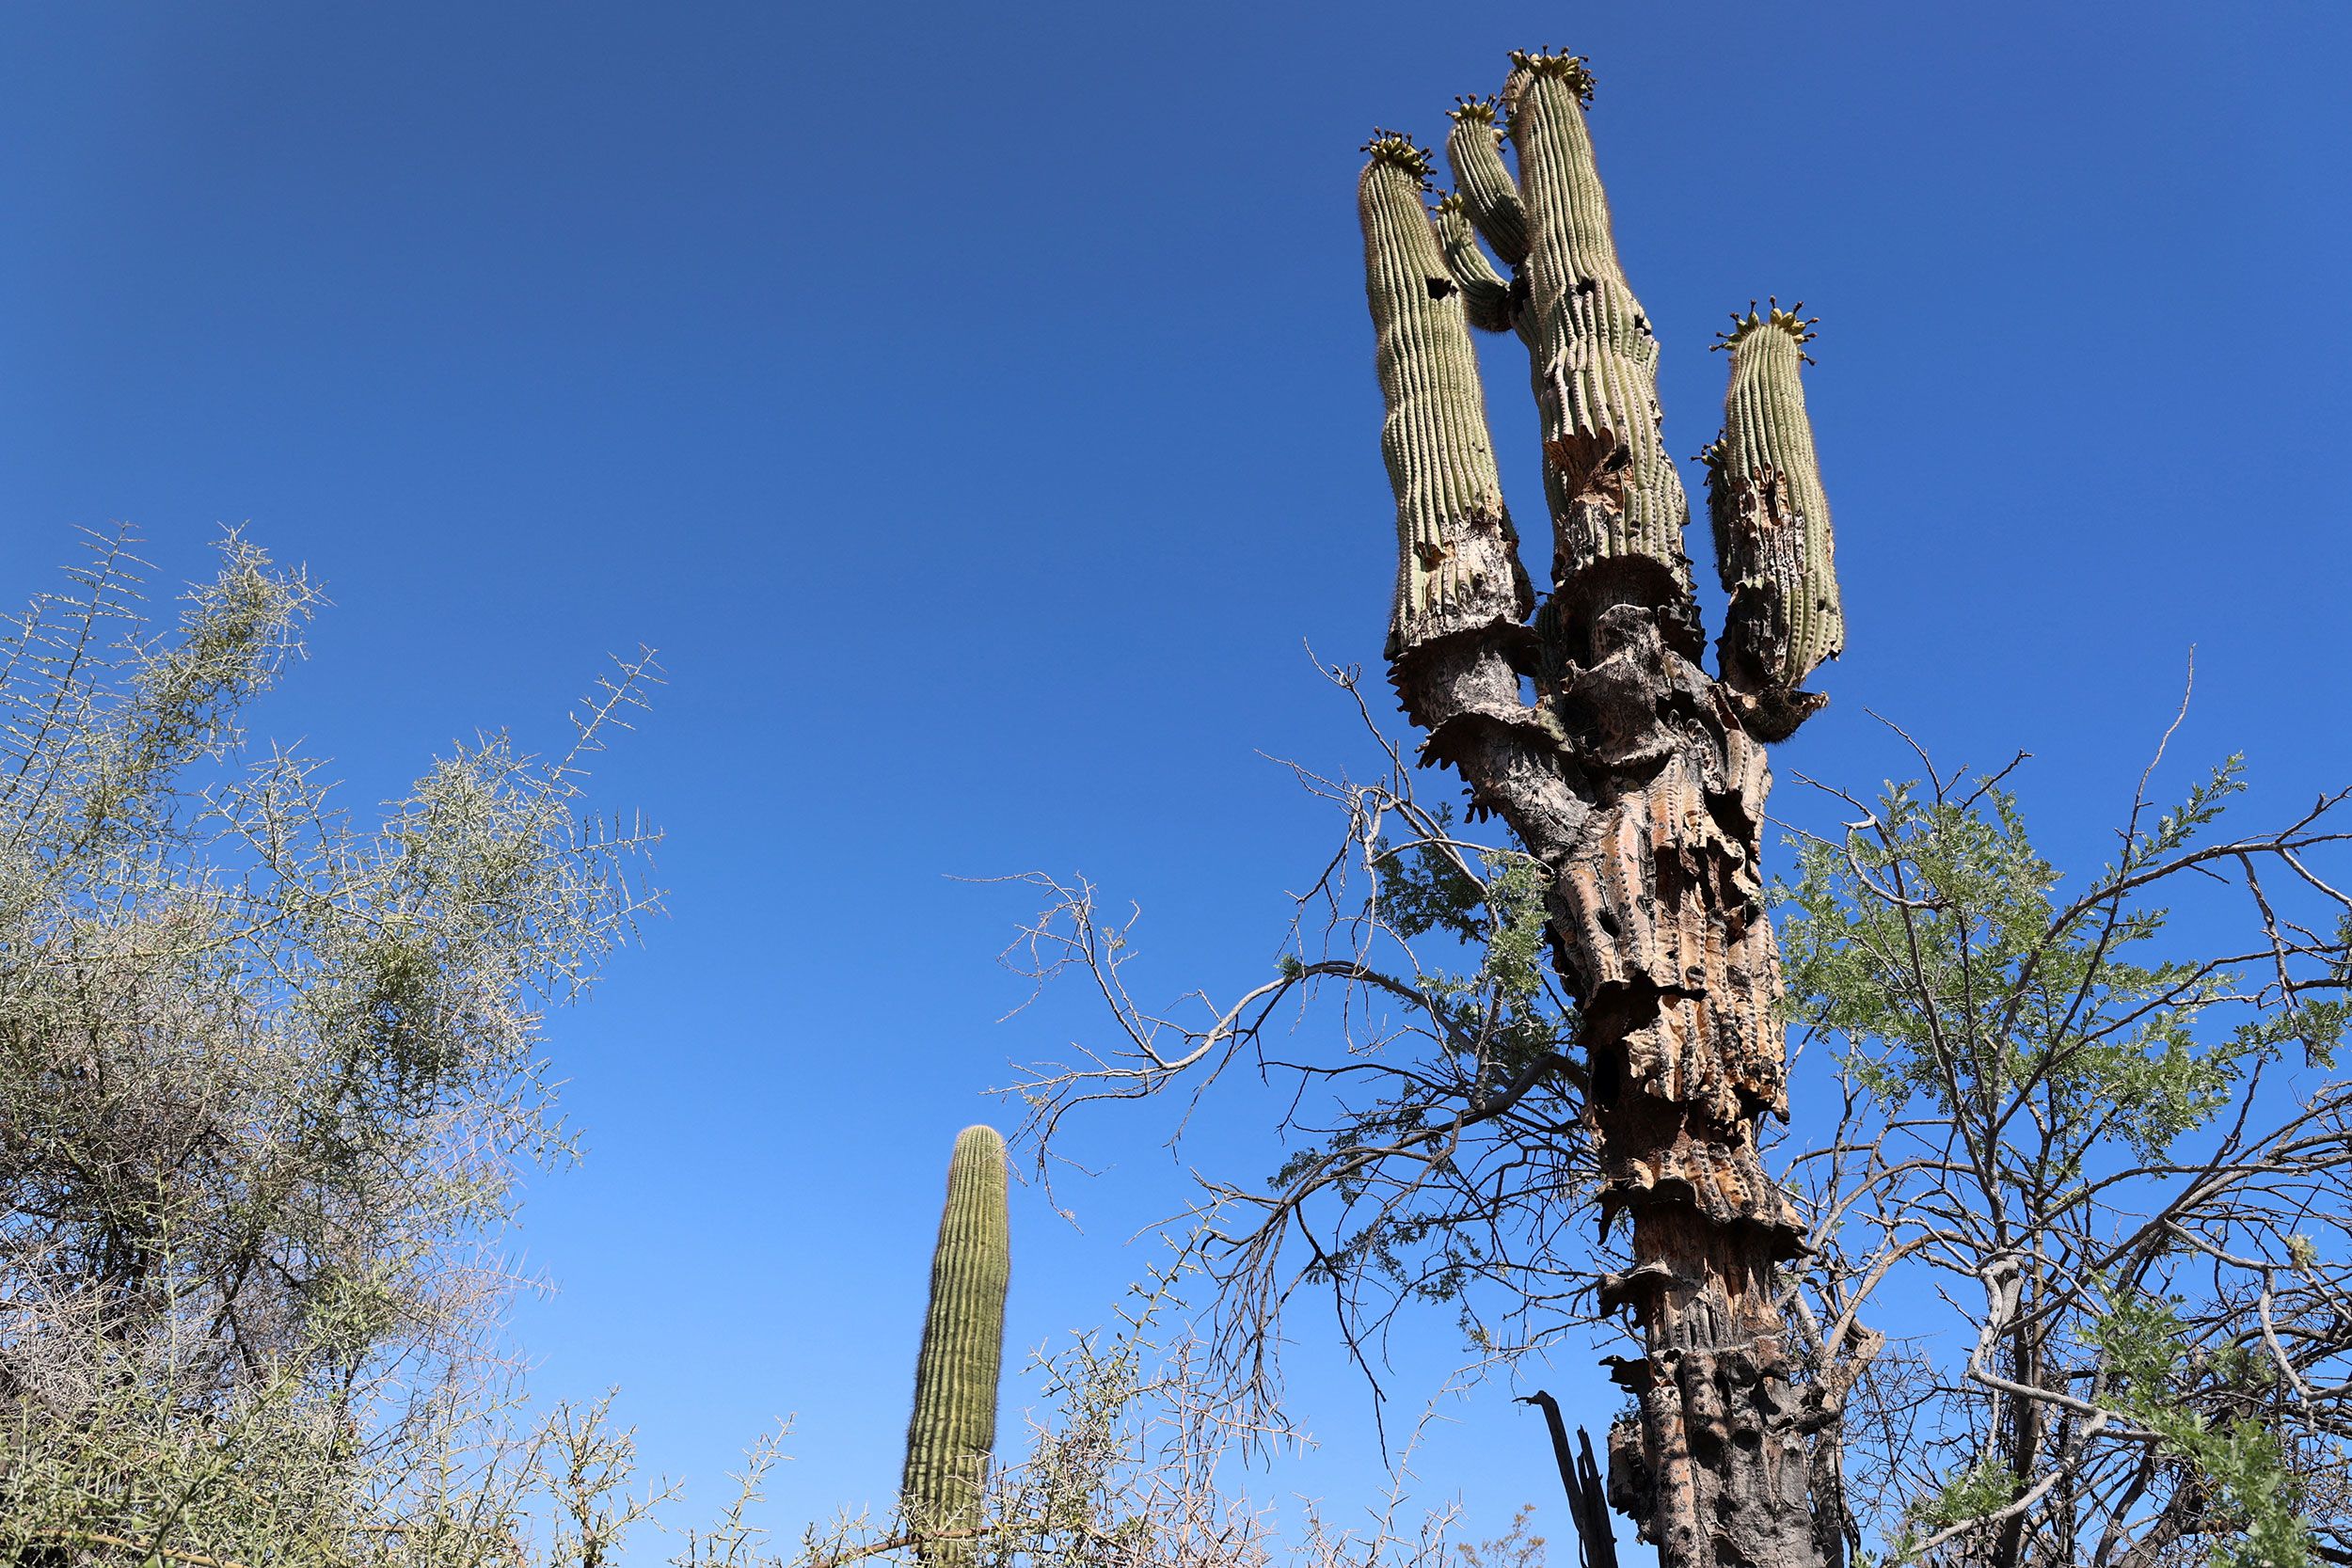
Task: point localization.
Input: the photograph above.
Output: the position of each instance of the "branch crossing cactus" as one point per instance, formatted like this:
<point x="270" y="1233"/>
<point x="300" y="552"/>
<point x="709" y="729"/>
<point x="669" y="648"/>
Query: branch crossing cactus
<point x="954" y="1426"/>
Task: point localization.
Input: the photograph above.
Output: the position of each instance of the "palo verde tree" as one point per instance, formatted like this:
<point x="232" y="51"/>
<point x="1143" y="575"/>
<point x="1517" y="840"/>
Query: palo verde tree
<point x="269" y="1069"/>
<point x="1564" y="1052"/>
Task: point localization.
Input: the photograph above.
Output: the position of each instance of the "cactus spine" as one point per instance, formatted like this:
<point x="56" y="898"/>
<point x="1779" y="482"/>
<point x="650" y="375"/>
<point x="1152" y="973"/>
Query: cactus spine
<point x="1635" y="780"/>
<point x="1771" y="520"/>
<point x="954" y="1426"/>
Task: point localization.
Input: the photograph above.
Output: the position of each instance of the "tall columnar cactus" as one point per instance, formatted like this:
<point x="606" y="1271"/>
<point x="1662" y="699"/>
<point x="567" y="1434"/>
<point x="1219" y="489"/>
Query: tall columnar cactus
<point x="954" y="1426"/>
<point x="1635" y="779"/>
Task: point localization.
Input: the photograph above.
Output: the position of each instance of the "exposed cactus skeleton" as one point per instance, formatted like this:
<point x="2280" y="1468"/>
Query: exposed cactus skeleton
<point x="1635" y="780"/>
<point x="953" y="1429"/>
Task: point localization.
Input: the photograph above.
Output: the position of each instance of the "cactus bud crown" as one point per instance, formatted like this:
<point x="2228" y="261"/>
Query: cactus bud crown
<point x="1790" y="321"/>
<point x="1572" y="70"/>
<point x="1399" y="152"/>
<point x="1467" y="112"/>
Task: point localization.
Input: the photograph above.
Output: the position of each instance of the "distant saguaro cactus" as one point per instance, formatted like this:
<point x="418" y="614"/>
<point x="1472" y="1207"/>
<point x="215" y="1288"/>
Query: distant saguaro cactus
<point x="953" y="1428"/>
<point x="1634" y="778"/>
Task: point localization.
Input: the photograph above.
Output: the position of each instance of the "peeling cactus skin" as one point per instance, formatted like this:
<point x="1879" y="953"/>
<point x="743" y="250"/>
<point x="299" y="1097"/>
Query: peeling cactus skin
<point x="1636" y="778"/>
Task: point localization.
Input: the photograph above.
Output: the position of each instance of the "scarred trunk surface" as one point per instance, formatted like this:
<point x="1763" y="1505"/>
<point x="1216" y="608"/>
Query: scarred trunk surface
<point x="1645" y="799"/>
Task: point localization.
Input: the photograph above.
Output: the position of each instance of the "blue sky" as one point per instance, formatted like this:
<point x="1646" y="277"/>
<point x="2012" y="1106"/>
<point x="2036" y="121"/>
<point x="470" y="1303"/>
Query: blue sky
<point x="975" y="407"/>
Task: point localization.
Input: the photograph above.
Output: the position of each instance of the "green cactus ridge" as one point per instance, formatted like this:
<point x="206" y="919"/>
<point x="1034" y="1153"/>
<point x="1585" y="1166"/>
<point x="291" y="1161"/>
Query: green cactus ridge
<point x="1771" y="520"/>
<point x="1616" y="495"/>
<point x="1457" y="555"/>
<point x="954" y="1425"/>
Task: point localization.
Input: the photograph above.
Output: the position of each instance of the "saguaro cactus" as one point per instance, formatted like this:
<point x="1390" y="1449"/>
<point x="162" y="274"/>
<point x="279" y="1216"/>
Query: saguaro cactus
<point x="954" y="1426"/>
<point x="1634" y="778"/>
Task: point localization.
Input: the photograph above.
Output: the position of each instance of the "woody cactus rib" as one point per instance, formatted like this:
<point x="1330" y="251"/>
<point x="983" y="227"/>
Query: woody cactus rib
<point x="1771" y="520"/>
<point x="1635" y="780"/>
<point x="953" y="1428"/>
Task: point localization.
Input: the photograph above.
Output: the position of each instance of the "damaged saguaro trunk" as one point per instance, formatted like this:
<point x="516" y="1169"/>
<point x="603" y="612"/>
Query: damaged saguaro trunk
<point x="1635" y="778"/>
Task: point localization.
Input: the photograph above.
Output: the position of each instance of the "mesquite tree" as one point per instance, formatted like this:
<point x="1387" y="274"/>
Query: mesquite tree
<point x="1634" y="780"/>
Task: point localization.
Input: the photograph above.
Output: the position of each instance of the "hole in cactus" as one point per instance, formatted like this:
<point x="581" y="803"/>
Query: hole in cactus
<point x="1440" y="287"/>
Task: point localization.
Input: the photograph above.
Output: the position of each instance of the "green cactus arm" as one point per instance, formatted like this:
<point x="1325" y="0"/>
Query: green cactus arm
<point x="1457" y="555"/>
<point x="953" y="1428"/>
<point x="1773" y="545"/>
<point x="1486" y="292"/>
<point x="1616" y="497"/>
<point x="1490" y="198"/>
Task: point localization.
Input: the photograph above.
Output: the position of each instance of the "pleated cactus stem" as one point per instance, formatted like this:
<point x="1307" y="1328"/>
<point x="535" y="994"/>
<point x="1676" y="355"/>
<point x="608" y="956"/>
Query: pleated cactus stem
<point x="1617" y="504"/>
<point x="953" y="1431"/>
<point x="1770" y="521"/>
<point x="1457" y="555"/>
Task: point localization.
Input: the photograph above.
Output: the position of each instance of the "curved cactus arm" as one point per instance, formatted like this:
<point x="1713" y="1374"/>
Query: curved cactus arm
<point x="1486" y="292"/>
<point x="1490" y="198"/>
<point x="1457" y="555"/>
<point x="953" y="1428"/>
<point x="1771" y="520"/>
<point x="1618" y="503"/>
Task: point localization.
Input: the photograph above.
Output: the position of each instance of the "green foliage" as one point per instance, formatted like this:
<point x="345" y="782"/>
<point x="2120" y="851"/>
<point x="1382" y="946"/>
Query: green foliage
<point x="2056" y="1098"/>
<point x="269" y="1071"/>
<point x="1970" y="1493"/>
<point x="1500" y="1007"/>
<point x="2239" y="1461"/>
<point x="1937" y="952"/>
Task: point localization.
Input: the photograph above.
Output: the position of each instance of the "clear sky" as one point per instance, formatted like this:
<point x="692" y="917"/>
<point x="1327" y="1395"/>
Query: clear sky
<point x="974" y="406"/>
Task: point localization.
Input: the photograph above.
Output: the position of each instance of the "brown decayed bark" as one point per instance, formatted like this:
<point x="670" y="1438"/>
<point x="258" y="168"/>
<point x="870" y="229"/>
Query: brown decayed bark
<point x="1637" y="787"/>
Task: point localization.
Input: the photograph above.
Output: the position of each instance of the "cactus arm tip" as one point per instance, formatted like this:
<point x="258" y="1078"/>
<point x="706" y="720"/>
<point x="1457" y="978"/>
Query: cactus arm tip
<point x="1395" y="150"/>
<point x="1575" y="71"/>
